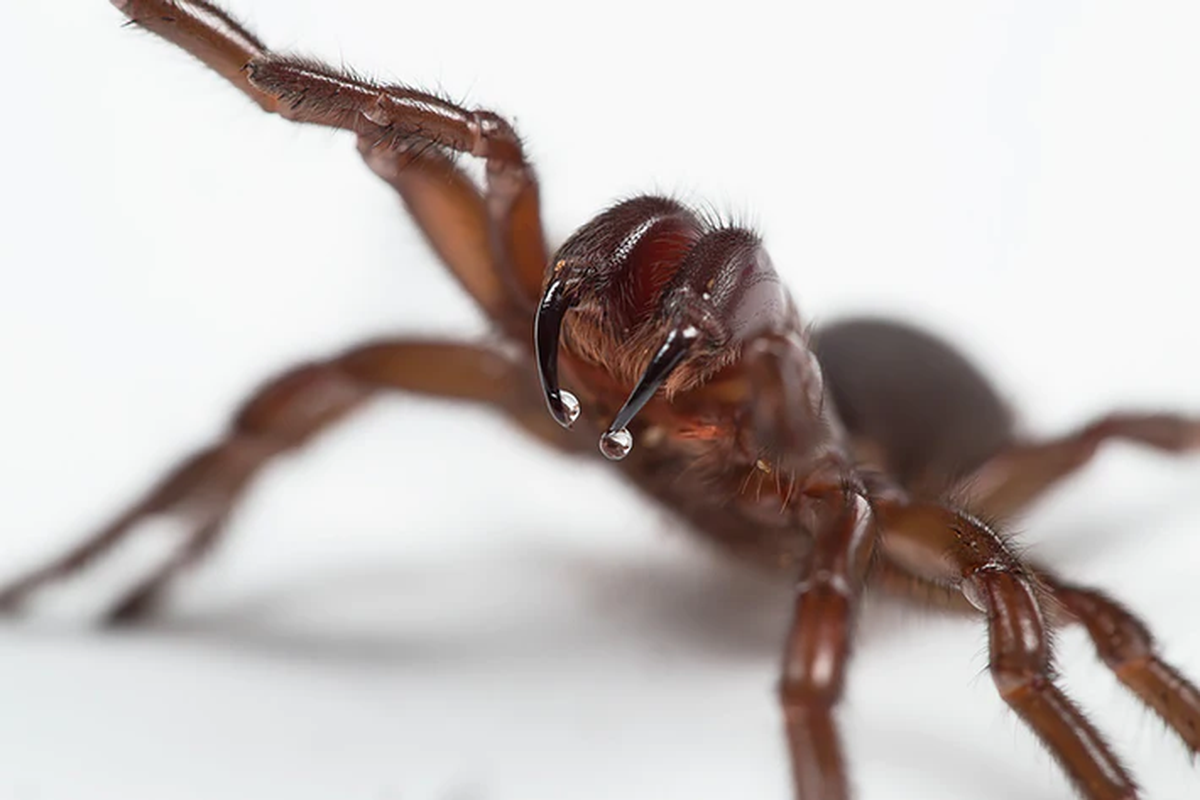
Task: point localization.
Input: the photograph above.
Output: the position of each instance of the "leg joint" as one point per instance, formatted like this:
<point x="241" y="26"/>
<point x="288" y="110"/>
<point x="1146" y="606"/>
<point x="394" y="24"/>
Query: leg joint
<point x="1119" y="637"/>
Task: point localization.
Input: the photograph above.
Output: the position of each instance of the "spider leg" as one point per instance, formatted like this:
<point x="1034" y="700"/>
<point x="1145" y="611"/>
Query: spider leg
<point x="959" y="550"/>
<point x="1126" y="646"/>
<point x="1123" y="642"/>
<point x="779" y="389"/>
<point x="493" y="243"/>
<point x="818" y="648"/>
<point x="1021" y="473"/>
<point x="282" y="416"/>
<point x="455" y="219"/>
<point x="141" y="600"/>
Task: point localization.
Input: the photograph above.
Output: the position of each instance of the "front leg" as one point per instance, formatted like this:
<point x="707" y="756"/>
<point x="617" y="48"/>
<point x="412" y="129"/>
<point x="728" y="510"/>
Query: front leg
<point x="493" y="243"/>
<point x="818" y="646"/>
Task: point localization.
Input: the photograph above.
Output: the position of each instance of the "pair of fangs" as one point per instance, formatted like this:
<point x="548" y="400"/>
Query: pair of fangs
<point x="617" y="441"/>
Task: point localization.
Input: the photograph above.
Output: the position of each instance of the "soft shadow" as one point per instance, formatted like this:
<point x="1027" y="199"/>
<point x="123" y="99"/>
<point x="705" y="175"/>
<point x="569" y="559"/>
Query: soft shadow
<point x="518" y="602"/>
<point x="946" y="757"/>
<point x="535" y="597"/>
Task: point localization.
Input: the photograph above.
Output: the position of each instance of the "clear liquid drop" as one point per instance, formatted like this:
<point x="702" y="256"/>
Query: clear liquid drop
<point x="616" y="444"/>
<point x="569" y="405"/>
<point x="974" y="595"/>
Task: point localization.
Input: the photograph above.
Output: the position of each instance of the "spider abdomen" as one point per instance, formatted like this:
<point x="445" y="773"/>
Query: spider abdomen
<point x="929" y="412"/>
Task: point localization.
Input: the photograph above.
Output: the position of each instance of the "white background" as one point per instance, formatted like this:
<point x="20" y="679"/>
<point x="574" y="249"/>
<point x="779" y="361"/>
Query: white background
<point x="425" y="606"/>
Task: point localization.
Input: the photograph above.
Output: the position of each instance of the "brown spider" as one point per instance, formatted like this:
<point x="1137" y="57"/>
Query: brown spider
<point x="696" y="374"/>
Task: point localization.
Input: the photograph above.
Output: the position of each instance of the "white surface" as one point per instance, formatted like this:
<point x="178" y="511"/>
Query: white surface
<point x="425" y="606"/>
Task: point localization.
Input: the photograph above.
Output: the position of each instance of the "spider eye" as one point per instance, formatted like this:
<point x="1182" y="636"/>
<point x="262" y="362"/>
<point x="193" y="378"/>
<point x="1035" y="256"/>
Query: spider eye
<point x="617" y="441"/>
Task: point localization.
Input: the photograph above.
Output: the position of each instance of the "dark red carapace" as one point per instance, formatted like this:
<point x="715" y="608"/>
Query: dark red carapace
<point x="828" y="456"/>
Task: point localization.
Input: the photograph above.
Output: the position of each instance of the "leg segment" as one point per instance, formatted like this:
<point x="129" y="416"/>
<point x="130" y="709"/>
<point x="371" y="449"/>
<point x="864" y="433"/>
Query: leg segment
<point x="208" y="33"/>
<point x="953" y="548"/>
<point x="453" y="215"/>
<point x="1127" y="648"/>
<point x="1020" y="474"/>
<point x="282" y="416"/>
<point x="1123" y="642"/>
<point x="818" y="649"/>
<point x="389" y="118"/>
<point x="143" y="598"/>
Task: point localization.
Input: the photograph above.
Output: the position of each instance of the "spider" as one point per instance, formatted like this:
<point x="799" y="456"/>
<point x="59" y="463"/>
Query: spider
<point x="862" y="456"/>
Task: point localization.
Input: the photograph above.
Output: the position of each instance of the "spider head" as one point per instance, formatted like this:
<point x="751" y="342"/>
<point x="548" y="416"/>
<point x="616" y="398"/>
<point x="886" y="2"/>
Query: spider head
<point x="650" y="297"/>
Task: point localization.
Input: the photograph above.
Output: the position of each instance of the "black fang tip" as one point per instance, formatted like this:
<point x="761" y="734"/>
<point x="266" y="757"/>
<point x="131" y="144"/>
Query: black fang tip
<point x="546" y="328"/>
<point x="669" y="356"/>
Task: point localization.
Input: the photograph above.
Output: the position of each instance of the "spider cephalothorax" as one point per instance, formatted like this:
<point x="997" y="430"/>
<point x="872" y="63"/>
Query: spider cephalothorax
<point x="650" y="296"/>
<point x="847" y="459"/>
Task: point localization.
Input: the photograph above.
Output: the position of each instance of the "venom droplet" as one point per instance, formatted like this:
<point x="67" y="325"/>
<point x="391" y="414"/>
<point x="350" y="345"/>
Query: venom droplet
<point x="616" y="444"/>
<point x="569" y="404"/>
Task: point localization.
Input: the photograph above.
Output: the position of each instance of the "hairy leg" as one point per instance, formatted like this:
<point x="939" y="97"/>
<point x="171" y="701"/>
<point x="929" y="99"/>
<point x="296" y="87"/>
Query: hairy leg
<point x="1125" y="645"/>
<point x="282" y="416"/>
<point x="818" y="646"/>
<point x="1123" y="642"/>
<point x="947" y="547"/>
<point x="493" y="243"/>
<point x="1021" y="473"/>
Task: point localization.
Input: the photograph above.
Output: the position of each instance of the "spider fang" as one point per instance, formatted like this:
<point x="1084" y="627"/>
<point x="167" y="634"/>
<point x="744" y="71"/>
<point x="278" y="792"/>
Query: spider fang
<point x="616" y="442"/>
